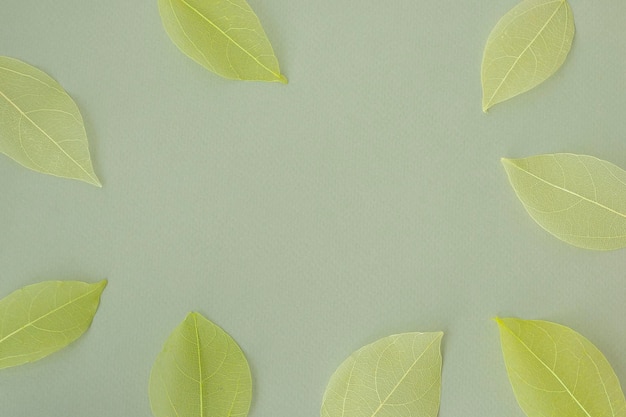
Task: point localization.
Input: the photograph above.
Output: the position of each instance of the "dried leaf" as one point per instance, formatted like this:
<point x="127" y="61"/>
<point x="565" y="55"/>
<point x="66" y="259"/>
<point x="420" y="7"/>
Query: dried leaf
<point x="224" y="36"/>
<point x="42" y="318"/>
<point x="525" y="48"/>
<point x="40" y="125"/>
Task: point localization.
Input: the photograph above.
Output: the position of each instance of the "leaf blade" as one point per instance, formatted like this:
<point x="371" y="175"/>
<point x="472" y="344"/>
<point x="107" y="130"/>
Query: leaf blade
<point x="403" y="371"/>
<point x="58" y="313"/>
<point x="40" y="125"/>
<point x="579" y="199"/>
<point x="556" y="371"/>
<point x="527" y="46"/>
<point x="200" y="361"/>
<point x="224" y="36"/>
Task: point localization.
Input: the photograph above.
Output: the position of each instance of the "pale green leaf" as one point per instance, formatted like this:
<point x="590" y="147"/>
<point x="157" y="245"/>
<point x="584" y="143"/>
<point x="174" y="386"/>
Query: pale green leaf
<point x="525" y="48"/>
<point x="201" y="372"/>
<point x="398" y="375"/>
<point x="556" y="372"/>
<point x="579" y="199"/>
<point x="224" y="36"/>
<point x="40" y="125"/>
<point x="40" y="319"/>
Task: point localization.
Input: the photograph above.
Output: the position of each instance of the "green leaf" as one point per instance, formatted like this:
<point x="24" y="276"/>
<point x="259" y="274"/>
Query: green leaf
<point x="556" y="372"/>
<point x="395" y="376"/>
<point x="200" y="372"/>
<point x="40" y="125"/>
<point x="42" y="318"/>
<point x="579" y="199"/>
<point x="525" y="48"/>
<point x="224" y="36"/>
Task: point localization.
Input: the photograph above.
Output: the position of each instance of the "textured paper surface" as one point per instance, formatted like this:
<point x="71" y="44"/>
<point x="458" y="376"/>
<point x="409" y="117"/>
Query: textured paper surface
<point x="363" y="199"/>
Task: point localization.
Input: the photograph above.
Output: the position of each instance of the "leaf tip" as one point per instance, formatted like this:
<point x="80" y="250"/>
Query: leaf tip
<point x="93" y="180"/>
<point x="506" y="162"/>
<point x="504" y="323"/>
<point x="486" y="103"/>
<point x="193" y="315"/>
<point x="100" y="286"/>
<point x="282" y="79"/>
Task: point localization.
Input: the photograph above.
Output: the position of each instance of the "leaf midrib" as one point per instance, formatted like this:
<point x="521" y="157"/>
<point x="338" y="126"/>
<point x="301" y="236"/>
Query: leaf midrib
<point x="200" y="377"/>
<point x="566" y="190"/>
<point x="546" y="366"/>
<point x="229" y="38"/>
<point x="539" y="32"/>
<point x="24" y="115"/>
<point x="408" y="371"/>
<point x="56" y="309"/>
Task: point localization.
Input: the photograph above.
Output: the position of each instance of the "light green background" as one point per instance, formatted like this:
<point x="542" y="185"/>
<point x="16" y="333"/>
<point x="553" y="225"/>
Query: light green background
<point x="364" y="198"/>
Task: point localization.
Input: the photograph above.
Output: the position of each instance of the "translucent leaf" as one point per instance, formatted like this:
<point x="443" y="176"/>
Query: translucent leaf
<point x="556" y="372"/>
<point x="525" y="48"/>
<point x="579" y="199"/>
<point x="395" y="376"/>
<point x="42" y="318"/>
<point x="224" y="36"/>
<point x="200" y="372"/>
<point x="40" y="125"/>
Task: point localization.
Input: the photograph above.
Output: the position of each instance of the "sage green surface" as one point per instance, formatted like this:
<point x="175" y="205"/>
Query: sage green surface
<point x="556" y="371"/>
<point x="363" y="199"/>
